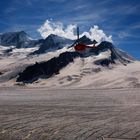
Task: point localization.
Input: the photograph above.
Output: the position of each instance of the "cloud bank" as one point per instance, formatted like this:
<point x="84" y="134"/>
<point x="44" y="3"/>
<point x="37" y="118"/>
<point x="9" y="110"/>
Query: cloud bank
<point x="58" y="28"/>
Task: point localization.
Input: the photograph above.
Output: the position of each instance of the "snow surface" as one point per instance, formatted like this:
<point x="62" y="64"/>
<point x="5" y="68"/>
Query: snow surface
<point x="82" y="73"/>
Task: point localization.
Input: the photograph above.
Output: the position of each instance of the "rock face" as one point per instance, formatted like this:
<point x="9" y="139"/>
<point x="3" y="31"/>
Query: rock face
<point x="46" y="69"/>
<point x="53" y="42"/>
<point x="115" y="53"/>
<point x="19" y="39"/>
<point x="85" y="40"/>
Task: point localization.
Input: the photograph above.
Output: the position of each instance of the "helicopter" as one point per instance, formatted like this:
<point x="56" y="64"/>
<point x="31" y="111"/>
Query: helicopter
<point x="81" y="47"/>
<point x="92" y="48"/>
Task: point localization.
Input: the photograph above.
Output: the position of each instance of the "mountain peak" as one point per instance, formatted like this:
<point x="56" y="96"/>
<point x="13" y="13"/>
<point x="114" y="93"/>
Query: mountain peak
<point x="85" y="40"/>
<point x="53" y="42"/>
<point x="56" y="37"/>
<point x="14" y="33"/>
<point x="20" y="39"/>
<point x="22" y="33"/>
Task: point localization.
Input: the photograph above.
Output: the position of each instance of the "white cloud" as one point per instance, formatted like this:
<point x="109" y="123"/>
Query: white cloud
<point x="57" y="28"/>
<point x="97" y="34"/>
<point x="136" y="26"/>
<point x="123" y="34"/>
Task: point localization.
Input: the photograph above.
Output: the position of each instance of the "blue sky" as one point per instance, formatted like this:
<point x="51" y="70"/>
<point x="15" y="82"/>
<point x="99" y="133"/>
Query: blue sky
<point x="119" y="18"/>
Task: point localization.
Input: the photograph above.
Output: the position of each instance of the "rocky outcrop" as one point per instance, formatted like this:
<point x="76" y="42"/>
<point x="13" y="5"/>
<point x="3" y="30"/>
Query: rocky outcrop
<point x="53" y="42"/>
<point x="18" y="39"/>
<point x="46" y="69"/>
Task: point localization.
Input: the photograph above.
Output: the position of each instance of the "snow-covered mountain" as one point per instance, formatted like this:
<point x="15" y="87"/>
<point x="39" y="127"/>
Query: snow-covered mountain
<point x="20" y="42"/>
<point x="52" y="42"/>
<point x="55" y="64"/>
<point x="18" y="39"/>
<point x="58" y="64"/>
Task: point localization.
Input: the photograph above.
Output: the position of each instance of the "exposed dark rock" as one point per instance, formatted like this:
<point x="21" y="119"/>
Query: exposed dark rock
<point x="115" y="53"/>
<point x="1" y="73"/>
<point x="46" y="69"/>
<point x="85" y="40"/>
<point x="8" y="50"/>
<point x="104" y="62"/>
<point x="19" y="39"/>
<point x="51" y="42"/>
